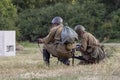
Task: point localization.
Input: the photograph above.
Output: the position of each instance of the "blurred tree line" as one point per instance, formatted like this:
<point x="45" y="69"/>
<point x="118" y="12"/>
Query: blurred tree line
<point x="32" y="18"/>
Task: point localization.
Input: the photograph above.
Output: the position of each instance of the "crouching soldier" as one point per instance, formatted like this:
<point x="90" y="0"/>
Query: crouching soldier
<point x="91" y="51"/>
<point x="52" y="43"/>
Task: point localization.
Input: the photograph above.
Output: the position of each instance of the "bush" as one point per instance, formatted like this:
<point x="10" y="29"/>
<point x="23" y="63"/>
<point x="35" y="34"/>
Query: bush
<point x="35" y="23"/>
<point x="8" y="16"/>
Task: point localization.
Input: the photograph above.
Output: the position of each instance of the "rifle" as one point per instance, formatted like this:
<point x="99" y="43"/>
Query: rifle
<point x="39" y="45"/>
<point x="80" y="58"/>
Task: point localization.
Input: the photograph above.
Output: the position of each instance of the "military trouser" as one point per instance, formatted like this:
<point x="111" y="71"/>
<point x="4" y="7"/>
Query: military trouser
<point x="46" y="57"/>
<point x="92" y="55"/>
<point x="96" y="55"/>
<point x="59" y="51"/>
<point x="66" y="60"/>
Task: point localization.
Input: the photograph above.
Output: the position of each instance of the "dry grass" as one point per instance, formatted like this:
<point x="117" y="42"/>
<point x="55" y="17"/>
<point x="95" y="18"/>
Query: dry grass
<point x="28" y="65"/>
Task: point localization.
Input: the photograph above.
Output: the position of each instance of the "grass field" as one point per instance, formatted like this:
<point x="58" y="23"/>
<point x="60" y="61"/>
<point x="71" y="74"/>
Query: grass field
<point x="28" y="65"/>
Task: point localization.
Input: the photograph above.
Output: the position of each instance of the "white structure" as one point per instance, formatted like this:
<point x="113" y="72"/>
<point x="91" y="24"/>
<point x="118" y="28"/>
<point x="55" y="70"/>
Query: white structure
<point x="7" y="43"/>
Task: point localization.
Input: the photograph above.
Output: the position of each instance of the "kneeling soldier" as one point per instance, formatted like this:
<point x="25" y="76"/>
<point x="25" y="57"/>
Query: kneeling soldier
<point x="52" y="43"/>
<point x="91" y="51"/>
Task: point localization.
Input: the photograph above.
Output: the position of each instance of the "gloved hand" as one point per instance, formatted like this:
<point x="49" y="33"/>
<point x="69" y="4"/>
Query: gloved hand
<point x="40" y="40"/>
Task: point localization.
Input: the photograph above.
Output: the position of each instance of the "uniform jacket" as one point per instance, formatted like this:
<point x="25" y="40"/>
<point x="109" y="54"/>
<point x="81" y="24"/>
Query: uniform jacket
<point x="90" y="46"/>
<point x="53" y="45"/>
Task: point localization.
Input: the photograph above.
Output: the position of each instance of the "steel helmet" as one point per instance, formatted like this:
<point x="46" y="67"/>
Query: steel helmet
<point x="79" y="27"/>
<point x="57" y="20"/>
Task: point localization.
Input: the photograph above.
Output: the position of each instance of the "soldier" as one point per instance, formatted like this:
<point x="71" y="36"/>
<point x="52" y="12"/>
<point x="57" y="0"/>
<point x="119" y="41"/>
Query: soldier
<point x="91" y="51"/>
<point x="52" y="43"/>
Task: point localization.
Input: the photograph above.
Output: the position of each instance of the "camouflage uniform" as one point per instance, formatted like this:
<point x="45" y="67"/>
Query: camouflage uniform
<point x="90" y="48"/>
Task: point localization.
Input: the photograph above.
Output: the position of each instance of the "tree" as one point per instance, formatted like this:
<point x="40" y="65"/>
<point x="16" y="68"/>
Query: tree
<point x="32" y="4"/>
<point x="8" y="15"/>
<point x="111" y="25"/>
<point x="96" y="15"/>
<point x="111" y="5"/>
<point x="36" y="22"/>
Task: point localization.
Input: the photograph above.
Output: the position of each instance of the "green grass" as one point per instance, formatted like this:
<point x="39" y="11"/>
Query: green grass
<point x="28" y="65"/>
<point x="113" y="41"/>
<point x="28" y="44"/>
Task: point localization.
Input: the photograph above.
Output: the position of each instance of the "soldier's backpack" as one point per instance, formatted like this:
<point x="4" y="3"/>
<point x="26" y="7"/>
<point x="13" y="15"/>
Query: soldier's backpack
<point x="68" y="35"/>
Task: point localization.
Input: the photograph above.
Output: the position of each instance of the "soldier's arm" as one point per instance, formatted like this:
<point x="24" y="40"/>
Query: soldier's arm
<point x="83" y="46"/>
<point x="49" y="37"/>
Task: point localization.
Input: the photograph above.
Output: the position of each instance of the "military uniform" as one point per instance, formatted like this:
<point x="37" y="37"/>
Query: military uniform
<point x="52" y="43"/>
<point x="90" y="48"/>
